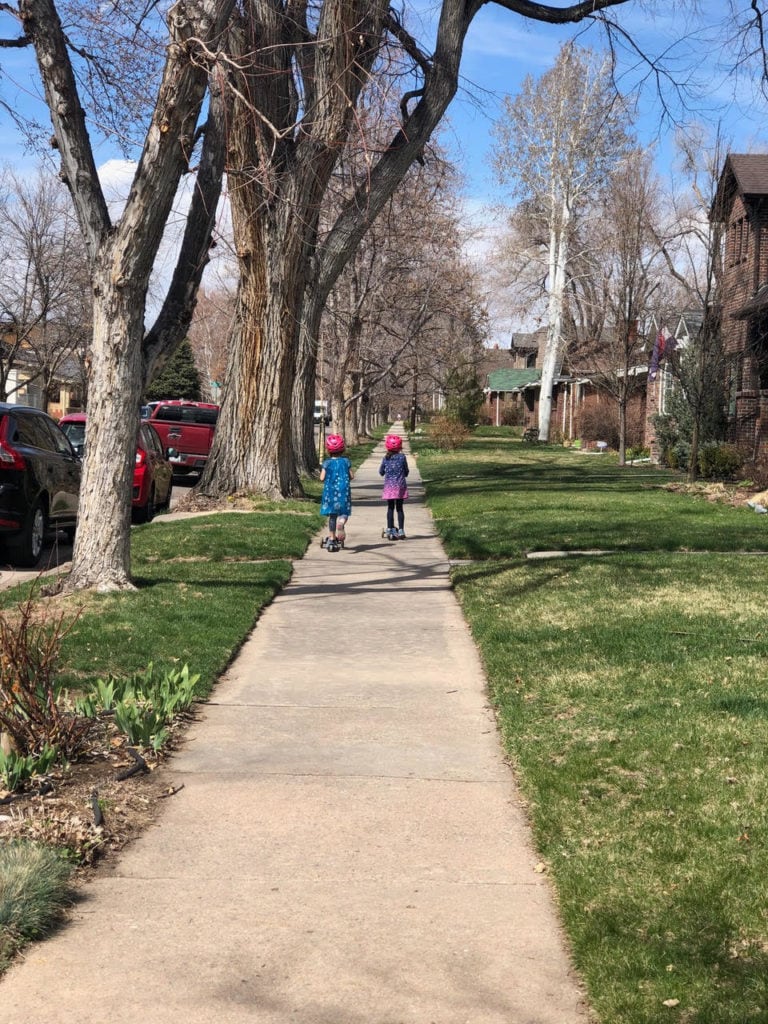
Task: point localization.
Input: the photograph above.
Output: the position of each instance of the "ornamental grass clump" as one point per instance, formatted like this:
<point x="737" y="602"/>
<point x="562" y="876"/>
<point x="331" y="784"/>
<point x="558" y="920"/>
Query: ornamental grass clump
<point x="33" y="892"/>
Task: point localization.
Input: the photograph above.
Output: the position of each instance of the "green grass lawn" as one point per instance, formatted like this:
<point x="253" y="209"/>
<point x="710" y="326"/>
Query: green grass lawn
<point x="631" y="694"/>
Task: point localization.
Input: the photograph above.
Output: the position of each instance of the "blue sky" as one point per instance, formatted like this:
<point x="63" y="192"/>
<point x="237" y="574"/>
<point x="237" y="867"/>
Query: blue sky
<point x="502" y="47"/>
<point x="697" y="48"/>
<point x="695" y="40"/>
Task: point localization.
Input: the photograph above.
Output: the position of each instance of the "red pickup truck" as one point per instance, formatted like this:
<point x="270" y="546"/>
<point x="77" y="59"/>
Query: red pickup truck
<point x="186" y="426"/>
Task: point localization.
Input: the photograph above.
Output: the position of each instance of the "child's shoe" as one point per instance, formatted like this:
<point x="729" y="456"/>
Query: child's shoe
<point x="391" y="534"/>
<point x="333" y="545"/>
<point x="401" y="534"/>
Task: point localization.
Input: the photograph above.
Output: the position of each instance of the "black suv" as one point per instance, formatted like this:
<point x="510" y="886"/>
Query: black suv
<point x="39" y="482"/>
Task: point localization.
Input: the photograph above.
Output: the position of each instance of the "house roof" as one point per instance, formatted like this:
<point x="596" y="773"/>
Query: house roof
<point x="745" y="173"/>
<point x="527" y="342"/>
<point x="511" y="380"/>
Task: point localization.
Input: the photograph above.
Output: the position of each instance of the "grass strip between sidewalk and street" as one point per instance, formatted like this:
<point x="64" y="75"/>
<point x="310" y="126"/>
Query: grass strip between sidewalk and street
<point x="630" y="692"/>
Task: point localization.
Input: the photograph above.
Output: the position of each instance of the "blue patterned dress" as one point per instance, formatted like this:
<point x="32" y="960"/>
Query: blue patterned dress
<point x="337" y="490"/>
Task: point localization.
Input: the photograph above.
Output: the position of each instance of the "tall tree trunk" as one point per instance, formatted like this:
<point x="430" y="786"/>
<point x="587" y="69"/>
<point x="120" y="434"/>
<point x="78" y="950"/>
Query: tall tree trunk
<point x="102" y="557"/>
<point x="121" y="256"/>
<point x="252" y="446"/>
<point x="303" y="398"/>
<point x="693" y="464"/>
<point x="623" y="429"/>
<point x="558" y="252"/>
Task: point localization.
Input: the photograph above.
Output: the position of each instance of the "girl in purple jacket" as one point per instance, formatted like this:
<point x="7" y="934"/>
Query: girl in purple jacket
<point x="394" y="469"/>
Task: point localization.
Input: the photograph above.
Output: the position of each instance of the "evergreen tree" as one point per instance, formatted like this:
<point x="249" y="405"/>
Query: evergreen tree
<point x="179" y="378"/>
<point x="464" y="396"/>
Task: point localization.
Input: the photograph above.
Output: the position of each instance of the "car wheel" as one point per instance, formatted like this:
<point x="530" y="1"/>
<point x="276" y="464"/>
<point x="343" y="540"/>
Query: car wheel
<point x="25" y="549"/>
<point x="146" y="513"/>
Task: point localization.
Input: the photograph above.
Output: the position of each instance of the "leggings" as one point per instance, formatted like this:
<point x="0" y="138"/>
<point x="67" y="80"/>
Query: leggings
<point x="334" y="520"/>
<point x="392" y="504"/>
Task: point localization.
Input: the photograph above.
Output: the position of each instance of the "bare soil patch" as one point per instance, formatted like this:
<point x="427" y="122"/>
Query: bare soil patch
<point x="85" y="809"/>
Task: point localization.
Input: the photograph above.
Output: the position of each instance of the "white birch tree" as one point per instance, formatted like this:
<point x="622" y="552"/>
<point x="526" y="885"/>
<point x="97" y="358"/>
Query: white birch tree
<point x="554" y="146"/>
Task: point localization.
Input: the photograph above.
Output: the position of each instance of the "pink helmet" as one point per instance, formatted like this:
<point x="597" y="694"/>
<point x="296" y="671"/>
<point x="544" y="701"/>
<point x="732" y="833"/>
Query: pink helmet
<point x="335" y="444"/>
<point x="393" y="442"/>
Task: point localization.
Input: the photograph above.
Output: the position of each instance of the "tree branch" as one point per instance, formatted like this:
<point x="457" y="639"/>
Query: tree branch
<point x="44" y="30"/>
<point x="558" y="15"/>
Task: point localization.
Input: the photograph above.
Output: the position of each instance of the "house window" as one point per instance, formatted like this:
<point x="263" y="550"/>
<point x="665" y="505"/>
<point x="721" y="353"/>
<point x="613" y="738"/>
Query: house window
<point x="758" y="348"/>
<point x="734" y="383"/>
<point x="739" y="241"/>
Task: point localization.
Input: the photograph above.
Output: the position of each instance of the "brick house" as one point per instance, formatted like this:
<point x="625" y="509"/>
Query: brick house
<point x="741" y="204"/>
<point x="511" y="382"/>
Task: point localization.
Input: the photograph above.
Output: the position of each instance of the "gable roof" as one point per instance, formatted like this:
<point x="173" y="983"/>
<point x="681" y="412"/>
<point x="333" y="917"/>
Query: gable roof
<point x="511" y="380"/>
<point x="743" y="173"/>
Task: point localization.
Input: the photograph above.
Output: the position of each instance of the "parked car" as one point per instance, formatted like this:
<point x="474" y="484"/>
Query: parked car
<point x="152" y="474"/>
<point x="188" y="427"/>
<point x="39" y="482"/>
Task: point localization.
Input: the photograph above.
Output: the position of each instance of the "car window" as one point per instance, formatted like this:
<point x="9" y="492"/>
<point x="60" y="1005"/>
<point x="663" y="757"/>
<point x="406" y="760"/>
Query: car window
<point x="60" y="440"/>
<point x="169" y="413"/>
<point x="148" y="440"/>
<point x="75" y="432"/>
<point x="32" y="430"/>
<point x="187" y="414"/>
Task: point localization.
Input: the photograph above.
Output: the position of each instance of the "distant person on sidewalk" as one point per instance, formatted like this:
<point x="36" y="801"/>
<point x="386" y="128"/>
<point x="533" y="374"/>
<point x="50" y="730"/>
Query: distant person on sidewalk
<point x="394" y="469"/>
<point x="336" y="474"/>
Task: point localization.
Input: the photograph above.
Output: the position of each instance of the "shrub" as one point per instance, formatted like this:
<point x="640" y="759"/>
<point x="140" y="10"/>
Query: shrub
<point x="464" y="396"/>
<point x="598" y="421"/>
<point x="719" y="461"/>
<point x="513" y="415"/>
<point x="638" y="452"/>
<point x="678" y="456"/>
<point x="31" y="709"/>
<point x="448" y="433"/>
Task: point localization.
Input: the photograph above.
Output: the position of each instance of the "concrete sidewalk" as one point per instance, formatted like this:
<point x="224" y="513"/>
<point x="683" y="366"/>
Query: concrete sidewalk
<point x="348" y="846"/>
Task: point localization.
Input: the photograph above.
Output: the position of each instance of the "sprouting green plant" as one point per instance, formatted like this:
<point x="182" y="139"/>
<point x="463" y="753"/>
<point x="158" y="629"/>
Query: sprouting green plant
<point x="16" y="769"/>
<point x="105" y="696"/>
<point x="143" y="704"/>
<point x="143" y="726"/>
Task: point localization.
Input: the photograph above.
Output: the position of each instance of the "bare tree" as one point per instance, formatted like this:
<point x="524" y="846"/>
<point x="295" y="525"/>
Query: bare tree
<point x="555" y="143"/>
<point x="208" y="336"/>
<point x="627" y="269"/>
<point x="121" y="254"/>
<point x="693" y="249"/>
<point x="404" y="308"/>
<point x="291" y="118"/>
<point x="44" y="296"/>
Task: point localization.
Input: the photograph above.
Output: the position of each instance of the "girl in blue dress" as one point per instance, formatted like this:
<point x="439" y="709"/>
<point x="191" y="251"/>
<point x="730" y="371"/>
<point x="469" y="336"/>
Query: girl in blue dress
<point x="336" y="474"/>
